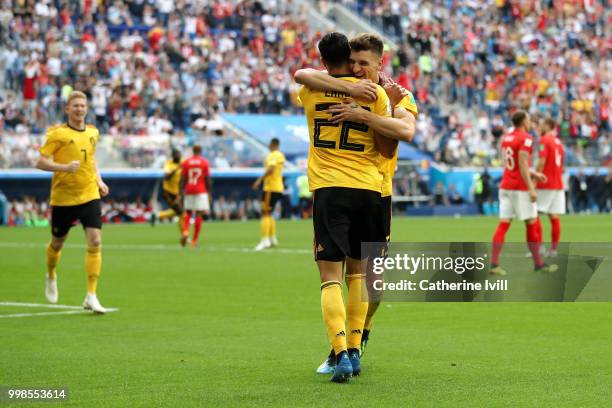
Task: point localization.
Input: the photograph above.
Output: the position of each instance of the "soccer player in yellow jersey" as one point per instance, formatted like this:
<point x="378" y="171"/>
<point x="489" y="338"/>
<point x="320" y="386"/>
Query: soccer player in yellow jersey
<point x="69" y="152"/>
<point x="366" y="63"/>
<point x="171" y="189"/>
<point x="272" y="193"/>
<point x="343" y="173"/>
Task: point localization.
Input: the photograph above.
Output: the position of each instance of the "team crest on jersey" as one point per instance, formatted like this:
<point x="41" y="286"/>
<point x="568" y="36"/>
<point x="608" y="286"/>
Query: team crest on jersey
<point x="92" y="141"/>
<point x="528" y="142"/>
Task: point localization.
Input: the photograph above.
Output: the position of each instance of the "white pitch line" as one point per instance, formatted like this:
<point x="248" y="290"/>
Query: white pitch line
<point x="72" y="309"/>
<point x="50" y="306"/>
<point x="158" y="247"/>
<point x="67" y="312"/>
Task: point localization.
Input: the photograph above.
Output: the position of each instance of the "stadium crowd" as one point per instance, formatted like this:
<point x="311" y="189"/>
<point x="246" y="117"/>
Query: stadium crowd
<point x="33" y="213"/>
<point x="162" y="66"/>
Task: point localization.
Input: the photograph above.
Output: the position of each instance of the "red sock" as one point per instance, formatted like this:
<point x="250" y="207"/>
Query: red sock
<point x="186" y="222"/>
<point x="539" y="228"/>
<point x="498" y="241"/>
<point x="533" y="243"/>
<point x="555" y="233"/>
<point x="198" y="227"/>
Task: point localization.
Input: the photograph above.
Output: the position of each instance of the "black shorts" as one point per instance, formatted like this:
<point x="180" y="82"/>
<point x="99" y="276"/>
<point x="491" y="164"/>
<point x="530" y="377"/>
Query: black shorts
<point x="269" y="200"/>
<point x="172" y="201"/>
<point x="63" y="217"/>
<point x="344" y="218"/>
<point x="385" y="203"/>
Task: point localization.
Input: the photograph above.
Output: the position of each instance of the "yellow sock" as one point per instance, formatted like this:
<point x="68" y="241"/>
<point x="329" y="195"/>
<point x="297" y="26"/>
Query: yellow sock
<point x="334" y="314"/>
<point x="372" y="307"/>
<point x="179" y="224"/>
<point x="93" y="263"/>
<point x="265" y="226"/>
<point x="356" y="309"/>
<point x="169" y="213"/>
<point x="53" y="258"/>
<point x="272" y="227"/>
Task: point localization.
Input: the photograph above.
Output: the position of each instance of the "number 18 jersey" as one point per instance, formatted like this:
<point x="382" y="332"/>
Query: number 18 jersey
<point x="195" y="169"/>
<point x="342" y="154"/>
<point x="512" y="143"/>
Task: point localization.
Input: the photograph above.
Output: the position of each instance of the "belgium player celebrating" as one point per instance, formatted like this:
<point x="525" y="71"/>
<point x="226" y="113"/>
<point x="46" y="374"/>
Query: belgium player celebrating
<point x="76" y="187"/>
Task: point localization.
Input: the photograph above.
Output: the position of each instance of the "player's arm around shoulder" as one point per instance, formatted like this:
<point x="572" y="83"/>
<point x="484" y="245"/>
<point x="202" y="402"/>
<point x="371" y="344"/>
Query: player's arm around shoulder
<point x="53" y="143"/>
<point x="321" y="81"/>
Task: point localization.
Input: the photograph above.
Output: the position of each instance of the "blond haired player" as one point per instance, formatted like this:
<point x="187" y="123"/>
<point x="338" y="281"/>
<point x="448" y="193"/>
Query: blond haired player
<point x="69" y="152"/>
<point x="272" y="193"/>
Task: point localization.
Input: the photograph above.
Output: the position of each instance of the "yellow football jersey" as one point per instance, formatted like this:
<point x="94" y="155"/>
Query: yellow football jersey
<point x="387" y="166"/>
<point x="65" y="144"/>
<point x="342" y="154"/>
<point x="172" y="184"/>
<point x="274" y="182"/>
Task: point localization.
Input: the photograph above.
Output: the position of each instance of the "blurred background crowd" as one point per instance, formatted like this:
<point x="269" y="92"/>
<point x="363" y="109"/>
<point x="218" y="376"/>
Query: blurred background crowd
<point x="164" y="67"/>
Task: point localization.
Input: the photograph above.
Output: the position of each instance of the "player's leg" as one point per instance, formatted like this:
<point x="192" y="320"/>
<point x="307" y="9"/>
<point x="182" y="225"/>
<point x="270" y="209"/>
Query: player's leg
<point x="266" y="219"/>
<point x="555" y="233"/>
<point x="527" y="211"/>
<point x="61" y="222"/>
<point x="356" y="310"/>
<point x="91" y="218"/>
<point x="186" y="222"/>
<point x="506" y="213"/>
<point x="331" y="243"/>
<point x="374" y="301"/>
<point x="199" y="218"/>
<point x="170" y="200"/>
<point x="334" y="316"/>
<point x="557" y="208"/>
<point x="272" y="226"/>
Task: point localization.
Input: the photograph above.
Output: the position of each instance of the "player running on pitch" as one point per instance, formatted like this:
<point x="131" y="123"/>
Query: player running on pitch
<point x="69" y="152"/>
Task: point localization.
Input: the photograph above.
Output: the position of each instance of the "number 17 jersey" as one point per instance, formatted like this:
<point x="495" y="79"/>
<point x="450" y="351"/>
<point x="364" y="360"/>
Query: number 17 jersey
<point x="195" y="169"/>
<point x="342" y="154"/>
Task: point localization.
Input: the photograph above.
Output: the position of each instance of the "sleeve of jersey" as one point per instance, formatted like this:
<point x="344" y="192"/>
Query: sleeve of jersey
<point x="409" y="104"/>
<point x="527" y="145"/>
<point x="303" y="95"/>
<point x="206" y="168"/>
<point x="382" y="105"/>
<point x="52" y="143"/>
<point x="183" y="169"/>
<point x="543" y="149"/>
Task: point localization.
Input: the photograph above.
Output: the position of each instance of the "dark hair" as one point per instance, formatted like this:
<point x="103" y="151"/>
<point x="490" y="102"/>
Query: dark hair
<point x="550" y="122"/>
<point x="334" y="49"/>
<point x="275" y="141"/>
<point x="368" y="42"/>
<point x="197" y="149"/>
<point x="518" y="118"/>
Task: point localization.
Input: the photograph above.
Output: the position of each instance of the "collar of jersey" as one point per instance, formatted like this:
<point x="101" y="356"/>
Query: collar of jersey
<point x="343" y="75"/>
<point x="78" y="130"/>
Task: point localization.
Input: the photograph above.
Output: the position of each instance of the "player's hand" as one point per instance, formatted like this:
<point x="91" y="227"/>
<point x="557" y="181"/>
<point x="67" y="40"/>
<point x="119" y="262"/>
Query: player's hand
<point x="73" y="166"/>
<point x="533" y="196"/>
<point x="256" y="184"/>
<point x="395" y="93"/>
<point x="348" y="110"/>
<point x="103" y="188"/>
<point x="364" y="90"/>
<point x="538" y="176"/>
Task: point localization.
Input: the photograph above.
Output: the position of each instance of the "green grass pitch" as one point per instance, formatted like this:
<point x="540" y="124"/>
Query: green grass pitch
<point x="224" y="326"/>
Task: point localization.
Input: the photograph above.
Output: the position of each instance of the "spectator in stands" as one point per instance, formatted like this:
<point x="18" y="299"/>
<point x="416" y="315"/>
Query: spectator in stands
<point x="579" y="192"/>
